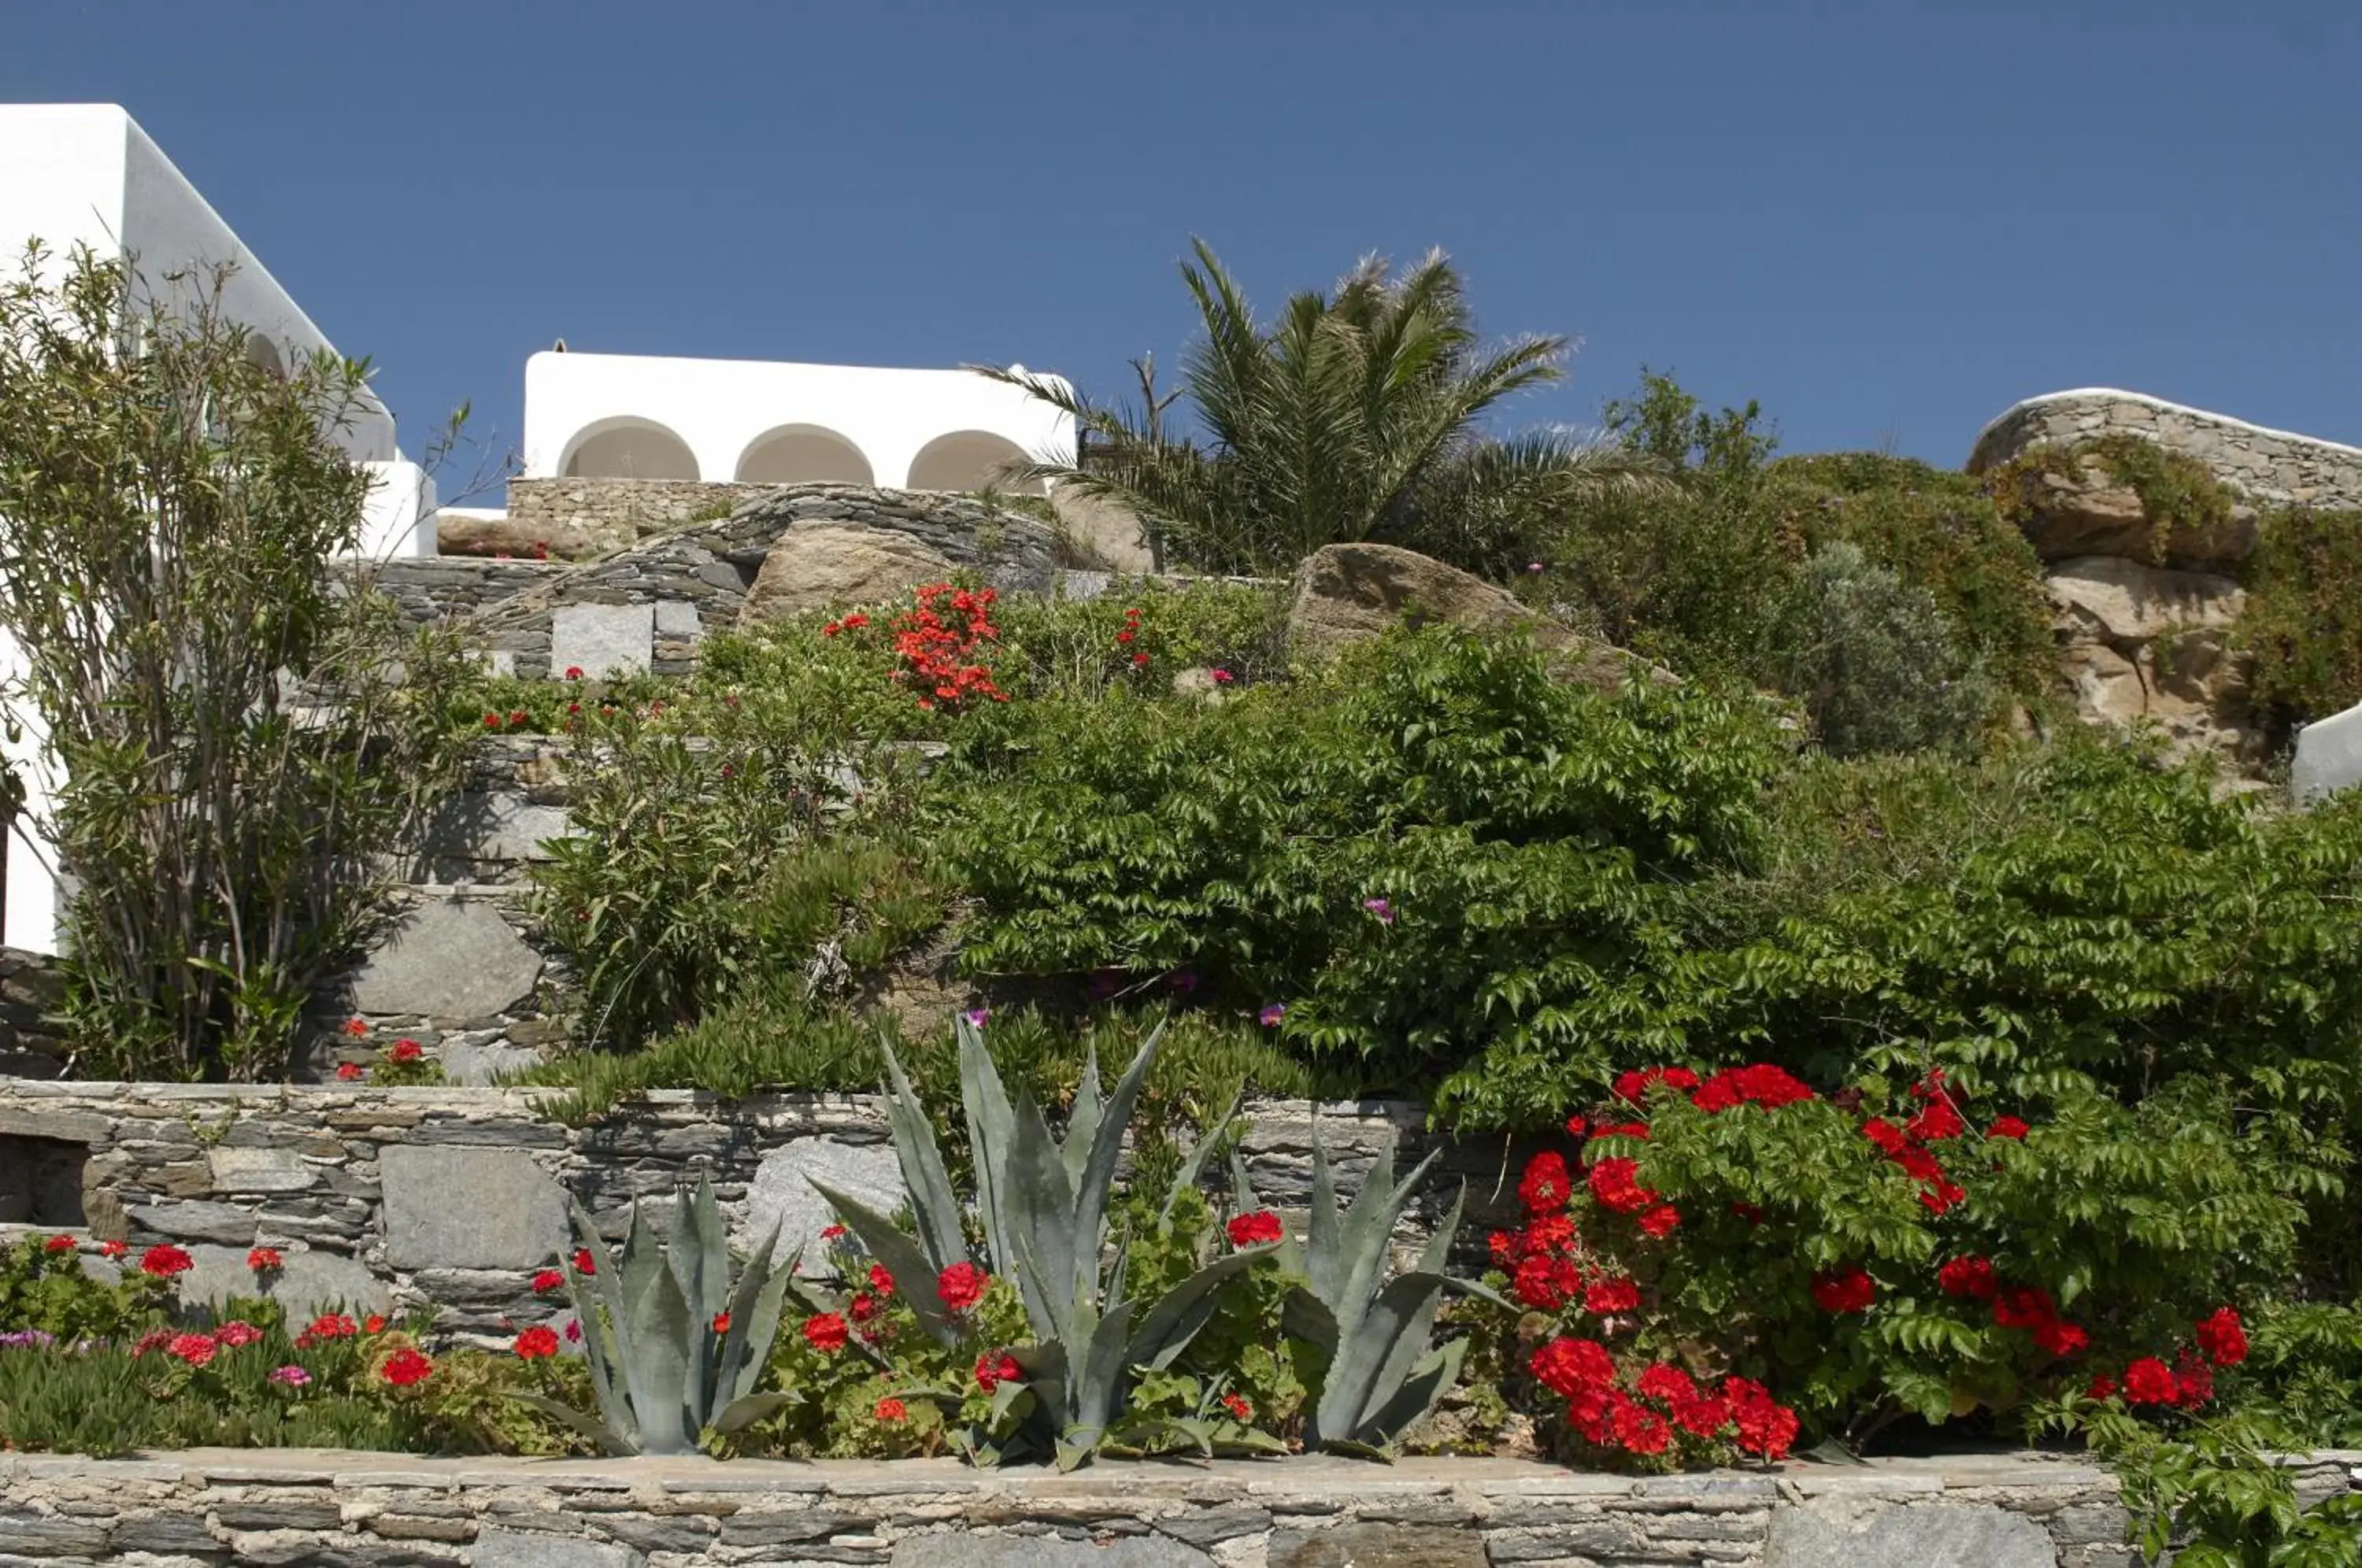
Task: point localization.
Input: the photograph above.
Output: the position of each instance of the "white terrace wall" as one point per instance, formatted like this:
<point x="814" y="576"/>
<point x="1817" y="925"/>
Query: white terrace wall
<point x="2269" y="464"/>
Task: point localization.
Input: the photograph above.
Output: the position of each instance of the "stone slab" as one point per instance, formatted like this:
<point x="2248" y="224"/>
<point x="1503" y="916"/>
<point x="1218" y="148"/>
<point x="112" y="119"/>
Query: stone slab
<point x="309" y="1283"/>
<point x="260" y="1170"/>
<point x="532" y="1549"/>
<point x="2328" y="757"/>
<point x="780" y="1189"/>
<point x="452" y="1205"/>
<point x="452" y="959"/>
<point x="676" y="618"/>
<point x="1367" y="1545"/>
<point x="1845" y="1533"/>
<point x="603" y="639"/>
<point x="477" y="1064"/>
<point x="965" y="1551"/>
<point x="198" y="1221"/>
<point x="492" y="825"/>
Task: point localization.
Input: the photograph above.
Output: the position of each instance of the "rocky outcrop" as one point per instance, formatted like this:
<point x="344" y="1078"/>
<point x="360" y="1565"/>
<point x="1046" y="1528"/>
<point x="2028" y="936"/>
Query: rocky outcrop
<point x="611" y="514"/>
<point x="2269" y="465"/>
<point x="1346" y="593"/>
<point x="2143" y="643"/>
<point x="839" y="565"/>
<point x="2088" y="511"/>
<point x="508" y="538"/>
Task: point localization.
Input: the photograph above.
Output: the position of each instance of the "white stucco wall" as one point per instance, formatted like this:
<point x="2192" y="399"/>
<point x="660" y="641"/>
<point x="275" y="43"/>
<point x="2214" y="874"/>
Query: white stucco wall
<point x="720" y="409"/>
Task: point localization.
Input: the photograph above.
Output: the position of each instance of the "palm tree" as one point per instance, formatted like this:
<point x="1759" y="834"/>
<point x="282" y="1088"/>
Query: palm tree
<point x="1350" y="417"/>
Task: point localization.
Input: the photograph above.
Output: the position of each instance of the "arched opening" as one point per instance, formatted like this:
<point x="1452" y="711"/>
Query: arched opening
<point x="629" y="449"/>
<point x="803" y="454"/>
<point x="264" y="354"/>
<point x="971" y="460"/>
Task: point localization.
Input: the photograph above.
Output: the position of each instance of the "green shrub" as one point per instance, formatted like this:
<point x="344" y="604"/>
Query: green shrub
<point x="2303" y="618"/>
<point x="1872" y="661"/>
<point x="2178" y="494"/>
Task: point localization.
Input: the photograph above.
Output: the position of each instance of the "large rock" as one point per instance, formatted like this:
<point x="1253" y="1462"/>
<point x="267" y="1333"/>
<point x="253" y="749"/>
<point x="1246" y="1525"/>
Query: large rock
<point x="451" y="1206"/>
<point x="1345" y="594"/>
<point x="308" y="1283"/>
<point x="782" y="1189"/>
<point x="529" y="539"/>
<point x="2328" y="757"/>
<point x="834" y="566"/>
<point x="2132" y="602"/>
<point x="2089" y="513"/>
<point x="602" y="640"/>
<point x="1842" y="1532"/>
<point x="455" y="959"/>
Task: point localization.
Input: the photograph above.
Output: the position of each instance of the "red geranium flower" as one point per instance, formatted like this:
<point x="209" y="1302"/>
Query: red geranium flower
<point x="880" y="1280"/>
<point x="1567" y="1366"/>
<point x="2008" y="1127"/>
<point x="721" y="1323"/>
<point x="1608" y="1297"/>
<point x="539" y="1340"/>
<point x="332" y="1325"/>
<point x="1885" y="1135"/>
<point x="547" y="1280"/>
<point x="1969" y="1278"/>
<point x="348" y="1071"/>
<point x="992" y="1370"/>
<point x="113" y="1249"/>
<point x="961" y="1286"/>
<point x="406" y="1050"/>
<point x="2023" y="1307"/>
<point x="2149" y="1381"/>
<point x="1668" y="1383"/>
<point x="1935" y="1122"/>
<point x="2101" y="1387"/>
<point x="1541" y="1282"/>
<point x="194" y="1349"/>
<point x="164" y="1261"/>
<point x="404" y="1367"/>
<point x="1546" y="1185"/>
<point x="2222" y="1337"/>
<point x="1614" y="1184"/>
<point x="1844" y="1289"/>
<point x="864" y="1306"/>
<point x="357" y="1028"/>
<point x="825" y="1333"/>
<point x="1641" y="1429"/>
<point x="584" y="1262"/>
<point x="1256" y="1229"/>
<point x="264" y="1260"/>
<point x="374" y="1323"/>
<point x="1239" y="1407"/>
<point x="1659" y="1222"/>
<point x="59" y="1244"/>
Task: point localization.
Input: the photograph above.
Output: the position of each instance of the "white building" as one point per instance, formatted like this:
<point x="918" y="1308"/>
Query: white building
<point x="628" y="416"/>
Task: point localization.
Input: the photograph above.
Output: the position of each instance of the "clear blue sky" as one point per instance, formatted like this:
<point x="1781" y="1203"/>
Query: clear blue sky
<point x="1886" y="219"/>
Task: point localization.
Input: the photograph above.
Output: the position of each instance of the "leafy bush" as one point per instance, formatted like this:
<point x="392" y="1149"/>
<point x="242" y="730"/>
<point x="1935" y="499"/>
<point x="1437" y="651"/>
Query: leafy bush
<point x="2300" y="623"/>
<point x="242" y="731"/>
<point x="1872" y="661"/>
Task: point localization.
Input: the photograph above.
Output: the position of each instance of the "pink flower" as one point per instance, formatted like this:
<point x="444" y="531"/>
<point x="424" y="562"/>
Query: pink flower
<point x="1270" y="1017"/>
<point x="290" y="1376"/>
<point x="1222" y="677"/>
<point x="975" y="1016"/>
<point x="1380" y="908"/>
<point x="236" y="1334"/>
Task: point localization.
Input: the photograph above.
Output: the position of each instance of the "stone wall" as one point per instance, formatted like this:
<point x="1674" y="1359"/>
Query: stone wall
<point x="437" y="588"/>
<point x="2269" y="464"/>
<point x="30" y="990"/>
<point x="375" y="1510"/>
<point x="581" y="517"/>
<point x="646" y="607"/>
<point x="448" y="1199"/>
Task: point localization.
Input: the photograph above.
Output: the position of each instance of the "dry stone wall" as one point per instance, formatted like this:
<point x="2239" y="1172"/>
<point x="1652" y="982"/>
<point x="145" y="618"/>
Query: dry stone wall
<point x="448" y="1199"/>
<point x="609" y="514"/>
<point x="2269" y="464"/>
<point x="366" y="1510"/>
<point x="646" y="607"/>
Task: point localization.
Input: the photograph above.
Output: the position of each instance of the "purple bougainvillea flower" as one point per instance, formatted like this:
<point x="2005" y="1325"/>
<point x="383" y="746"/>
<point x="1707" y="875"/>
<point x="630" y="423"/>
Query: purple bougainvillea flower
<point x="1273" y="1014"/>
<point x="1380" y="908"/>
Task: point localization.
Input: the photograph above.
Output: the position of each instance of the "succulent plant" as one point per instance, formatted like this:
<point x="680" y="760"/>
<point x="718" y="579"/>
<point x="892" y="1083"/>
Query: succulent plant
<point x="673" y="1348"/>
<point x="1043" y="1203"/>
<point x="1382" y="1378"/>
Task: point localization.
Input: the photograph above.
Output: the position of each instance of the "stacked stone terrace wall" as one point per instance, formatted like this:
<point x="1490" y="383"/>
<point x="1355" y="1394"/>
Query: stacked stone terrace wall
<point x="646" y="607"/>
<point x="363" y="1510"/>
<point x="2268" y="465"/>
<point x="611" y="513"/>
<point x="448" y="1199"/>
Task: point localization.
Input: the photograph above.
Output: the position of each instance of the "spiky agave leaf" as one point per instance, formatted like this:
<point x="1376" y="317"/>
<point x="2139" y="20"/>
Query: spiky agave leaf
<point x="924" y="1178"/>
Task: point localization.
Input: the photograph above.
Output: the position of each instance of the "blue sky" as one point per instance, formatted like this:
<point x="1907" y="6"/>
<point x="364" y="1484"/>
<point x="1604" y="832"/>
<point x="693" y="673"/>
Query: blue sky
<point x="1886" y="221"/>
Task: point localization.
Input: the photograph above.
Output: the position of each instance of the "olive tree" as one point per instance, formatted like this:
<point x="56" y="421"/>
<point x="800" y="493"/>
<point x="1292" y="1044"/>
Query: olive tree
<point x="240" y="729"/>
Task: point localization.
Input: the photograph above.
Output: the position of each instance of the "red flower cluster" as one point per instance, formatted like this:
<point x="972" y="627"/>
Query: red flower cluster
<point x="65" y="1245"/>
<point x="2029" y="1306"/>
<point x="961" y="1286"/>
<point x="1761" y="1084"/>
<point x="1938" y="1192"/>
<point x="936" y="645"/>
<point x="194" y="1349"/>
<point x="1130" y="635"/>
<point x="327" y="1326"/>
<point x="404" y="1367"/>
<point x="547" y="1280"/>
<point x="1634" y="1086"/>
<point x="2222" y="1337"/>
<point x="992" y="1370"/>
<point x="537" y="1342"/>
<point x="1257" y="1228"/>
<point x="1846" y="1289"/>
<point x="1546" y="1184"/>
<point x="1607" y="1415"/>
<point x="825" y="1333"/>
<point x="406" y="1050"/>
<point x="264" y="1260"/>
<point x="164" y="1261"/>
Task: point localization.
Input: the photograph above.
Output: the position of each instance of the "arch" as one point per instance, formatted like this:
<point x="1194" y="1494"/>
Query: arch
<point x="803" y="454"/>
<point x="628" y="448"/>
<point x="264" y="355"/>
<point x="971" y="460"/>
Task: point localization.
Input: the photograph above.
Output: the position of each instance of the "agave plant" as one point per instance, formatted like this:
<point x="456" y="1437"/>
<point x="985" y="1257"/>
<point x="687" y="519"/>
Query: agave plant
<point x="675" y="1349"/>
<point x="1043" y="1203"/>
<point x="1383" y="1378"/>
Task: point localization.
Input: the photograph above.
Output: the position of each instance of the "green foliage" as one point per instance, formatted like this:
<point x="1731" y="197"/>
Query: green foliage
<point x="1872" y="661"/>
<point x="45" y="1289"/>
<point x="2178" y="494"/>
<point x="2301" y="622"/>
<point x="2212" y="1496"/>
<point x="1350" y="416"/>
<point x="243" y="729"/>
<point x="674" y="1347"/>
